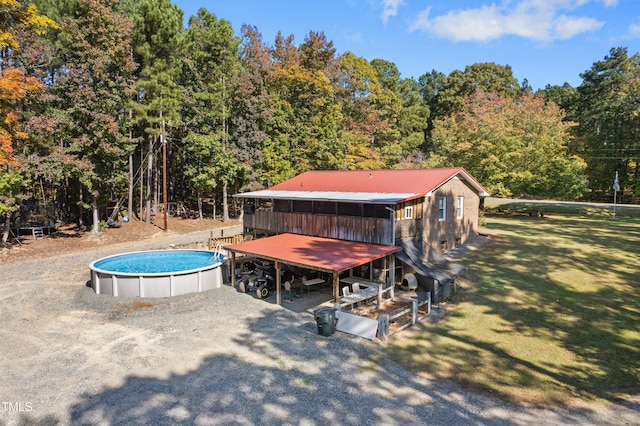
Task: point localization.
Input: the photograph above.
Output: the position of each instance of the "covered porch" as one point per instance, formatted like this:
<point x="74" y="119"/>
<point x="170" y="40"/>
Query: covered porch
<point x="330" y="256"/>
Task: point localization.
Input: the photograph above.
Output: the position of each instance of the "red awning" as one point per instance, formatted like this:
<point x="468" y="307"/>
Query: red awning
<point x="323" y="254"/>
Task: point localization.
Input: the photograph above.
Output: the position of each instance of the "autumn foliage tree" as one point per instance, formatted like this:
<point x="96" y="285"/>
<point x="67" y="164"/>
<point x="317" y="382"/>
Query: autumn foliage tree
<point x="83" y="106"/>
<point x="14" y="87"/>
<point x="514" y="147"/>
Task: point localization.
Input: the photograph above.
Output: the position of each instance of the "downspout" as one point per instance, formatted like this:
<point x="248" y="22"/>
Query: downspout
<point x="393" y="225"/>
<point x="392" y="259"/>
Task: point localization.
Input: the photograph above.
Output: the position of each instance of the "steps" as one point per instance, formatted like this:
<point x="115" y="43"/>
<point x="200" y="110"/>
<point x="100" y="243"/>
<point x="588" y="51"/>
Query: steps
<point x="38" y="233"/>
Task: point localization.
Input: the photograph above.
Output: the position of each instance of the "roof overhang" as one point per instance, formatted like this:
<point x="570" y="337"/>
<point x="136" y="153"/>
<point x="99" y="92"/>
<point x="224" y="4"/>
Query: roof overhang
<point x="321" y="254"/>
<point x="344" y="197"/>
<point x="480" y="190"/>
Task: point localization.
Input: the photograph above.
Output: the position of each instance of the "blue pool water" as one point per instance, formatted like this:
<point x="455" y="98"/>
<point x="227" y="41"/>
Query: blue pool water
<point x="161" y="261"/>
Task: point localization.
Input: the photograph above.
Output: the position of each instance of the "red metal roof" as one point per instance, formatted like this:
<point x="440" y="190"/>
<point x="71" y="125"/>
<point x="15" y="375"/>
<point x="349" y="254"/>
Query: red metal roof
<point x="419" y="181"/>
<point x="317" y="253"/>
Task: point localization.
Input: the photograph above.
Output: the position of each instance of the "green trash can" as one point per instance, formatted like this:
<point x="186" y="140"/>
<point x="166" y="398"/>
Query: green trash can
<point x="326" y="321"/>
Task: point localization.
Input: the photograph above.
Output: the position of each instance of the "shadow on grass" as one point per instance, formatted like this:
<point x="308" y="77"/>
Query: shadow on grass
<point x="557" y="298"/>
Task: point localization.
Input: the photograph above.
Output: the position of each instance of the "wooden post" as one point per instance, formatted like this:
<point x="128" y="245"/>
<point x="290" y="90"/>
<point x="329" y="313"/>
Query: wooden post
<point x="336" y="288"/>
<point x="414" y="311"/>
<point x="278" y="282"/>
<point x="233" y="269"/>
<point x="383" y="327"/>
<point x="392" y="276"/>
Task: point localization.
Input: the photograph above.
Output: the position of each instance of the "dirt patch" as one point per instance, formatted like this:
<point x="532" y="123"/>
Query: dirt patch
<point x="137" y="306"/>
<point x="70" y="238"/>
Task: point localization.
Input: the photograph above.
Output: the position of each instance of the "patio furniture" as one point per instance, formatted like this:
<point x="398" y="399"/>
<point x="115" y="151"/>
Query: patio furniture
<point x="312" y="282"/>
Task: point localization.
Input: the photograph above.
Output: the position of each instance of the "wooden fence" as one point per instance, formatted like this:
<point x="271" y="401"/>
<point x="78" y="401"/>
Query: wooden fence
<point x="414" y="310"/>
<point x="223" y="241"/>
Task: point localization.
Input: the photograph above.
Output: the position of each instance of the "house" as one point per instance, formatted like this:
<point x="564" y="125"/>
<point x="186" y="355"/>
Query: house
<point x="419" y="214"/>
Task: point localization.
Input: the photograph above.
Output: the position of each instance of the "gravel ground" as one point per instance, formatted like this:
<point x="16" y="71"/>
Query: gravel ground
<point x="70" y="356"/>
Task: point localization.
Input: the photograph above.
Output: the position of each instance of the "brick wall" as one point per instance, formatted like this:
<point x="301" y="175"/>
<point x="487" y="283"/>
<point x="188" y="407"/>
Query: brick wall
<point x="442" y="236"/>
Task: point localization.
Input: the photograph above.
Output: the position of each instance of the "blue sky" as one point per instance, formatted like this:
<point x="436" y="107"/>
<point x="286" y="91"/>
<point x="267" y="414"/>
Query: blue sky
<point x="545" y="41"/>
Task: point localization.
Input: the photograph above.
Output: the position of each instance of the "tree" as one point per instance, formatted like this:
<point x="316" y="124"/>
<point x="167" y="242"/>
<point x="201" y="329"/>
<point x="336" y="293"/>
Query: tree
<point x="432" y="83"/>
<point x="157" y="28"/>
<point x="210" y="62"/>
<point x="317" y="53"/>
<point x="15" y="85"/>
<point x="252" y="107"/>
<point x="487" y="77"/>
<point x="93" y="92"/>
<point x="609" y="130"/>
<point x="413" y="116"/>
<point x="368" y="109"/>
<point x="512" y="147"/>
<point x="565" y="96"/>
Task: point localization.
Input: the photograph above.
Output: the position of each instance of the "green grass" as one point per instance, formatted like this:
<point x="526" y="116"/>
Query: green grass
<point x="549" y="312"/>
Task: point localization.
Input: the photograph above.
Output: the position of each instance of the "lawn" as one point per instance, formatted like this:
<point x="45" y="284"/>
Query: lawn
<point x="549" y="312"/>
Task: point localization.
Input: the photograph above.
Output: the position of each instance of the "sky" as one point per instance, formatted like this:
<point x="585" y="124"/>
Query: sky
<point x="544" y="41"/>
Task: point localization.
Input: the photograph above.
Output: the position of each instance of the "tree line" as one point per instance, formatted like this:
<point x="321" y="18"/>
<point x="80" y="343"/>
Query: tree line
<point x="92" y="91"/>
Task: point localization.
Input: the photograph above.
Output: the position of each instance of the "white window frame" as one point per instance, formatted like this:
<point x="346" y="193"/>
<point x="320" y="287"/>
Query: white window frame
<point x="408" y="212"/>
<point x="460" y="212"/>
<point x="442" y="209"/>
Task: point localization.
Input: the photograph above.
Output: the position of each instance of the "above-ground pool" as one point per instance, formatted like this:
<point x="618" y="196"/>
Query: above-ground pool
<point x="158" y="273"/>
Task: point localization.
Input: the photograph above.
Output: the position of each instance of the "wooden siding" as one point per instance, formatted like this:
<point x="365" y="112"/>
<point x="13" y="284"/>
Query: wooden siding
<point x="351" y="228"/>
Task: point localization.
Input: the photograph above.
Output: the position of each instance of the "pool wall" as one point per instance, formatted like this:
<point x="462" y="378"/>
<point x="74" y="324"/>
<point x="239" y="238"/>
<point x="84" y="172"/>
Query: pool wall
<point x="156" y="285"/>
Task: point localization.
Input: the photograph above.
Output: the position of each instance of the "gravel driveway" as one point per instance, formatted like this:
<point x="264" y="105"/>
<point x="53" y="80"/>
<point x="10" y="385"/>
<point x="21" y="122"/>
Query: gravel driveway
<point x="69" y="356"/>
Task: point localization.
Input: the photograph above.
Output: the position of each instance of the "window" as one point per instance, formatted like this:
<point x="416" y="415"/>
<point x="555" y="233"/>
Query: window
<point x="460" y="207"/>
<point x="442" y="208"/>
<point x="408" y="212"/>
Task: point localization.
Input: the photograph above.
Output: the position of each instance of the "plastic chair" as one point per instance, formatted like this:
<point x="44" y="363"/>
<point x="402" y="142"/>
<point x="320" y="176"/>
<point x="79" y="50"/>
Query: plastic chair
<point x="346" y="292"/>
<point x="355" y="287"/>
<point x="287" y="290"/>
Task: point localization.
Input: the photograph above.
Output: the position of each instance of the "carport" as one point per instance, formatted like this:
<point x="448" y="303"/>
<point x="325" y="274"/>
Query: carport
<point x="321" y="254"/>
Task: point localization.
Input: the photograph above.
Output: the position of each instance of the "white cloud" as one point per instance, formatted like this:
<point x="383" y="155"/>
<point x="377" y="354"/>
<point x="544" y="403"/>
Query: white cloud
<point x="634" y="32"/>
<point x="565" y="27"/>
<point x="390" y="8"/>
<point x="540" y="20"/>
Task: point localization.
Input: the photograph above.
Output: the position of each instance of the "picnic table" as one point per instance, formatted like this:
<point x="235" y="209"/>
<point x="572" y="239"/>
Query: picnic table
<point x="312" y="282"/>
<point x="368" y="290"/>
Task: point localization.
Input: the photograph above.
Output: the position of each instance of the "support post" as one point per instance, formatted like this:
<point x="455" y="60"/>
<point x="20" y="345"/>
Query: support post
<point x="392" y="275"/>
<point x="278" y="268"/>
<point x="233" y="269"/>
<point x="336" y="288"/>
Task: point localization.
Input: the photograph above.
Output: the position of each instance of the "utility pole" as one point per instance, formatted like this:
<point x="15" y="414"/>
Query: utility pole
<point x="131" y="183"/>
<point x="164" y="176"/>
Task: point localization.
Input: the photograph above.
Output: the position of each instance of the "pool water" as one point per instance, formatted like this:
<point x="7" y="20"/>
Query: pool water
<point x="158" y="262"/>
